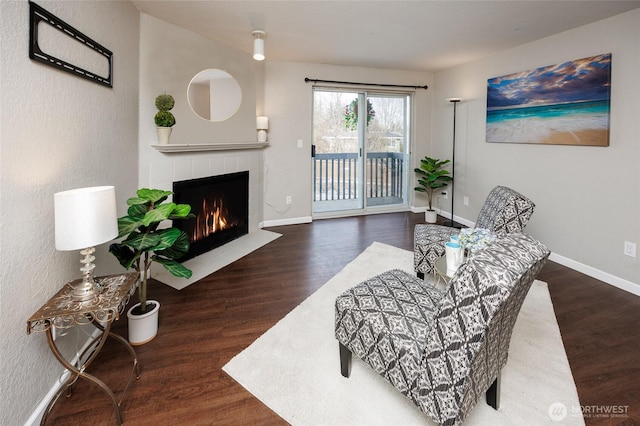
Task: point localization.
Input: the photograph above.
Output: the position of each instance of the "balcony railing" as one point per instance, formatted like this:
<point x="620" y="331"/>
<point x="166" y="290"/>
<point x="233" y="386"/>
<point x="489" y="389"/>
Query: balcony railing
<point x="336" y="176"/>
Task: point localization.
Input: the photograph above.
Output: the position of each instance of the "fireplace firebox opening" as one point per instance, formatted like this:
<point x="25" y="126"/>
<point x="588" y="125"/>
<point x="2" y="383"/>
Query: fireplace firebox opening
<point x="221" y="206"/>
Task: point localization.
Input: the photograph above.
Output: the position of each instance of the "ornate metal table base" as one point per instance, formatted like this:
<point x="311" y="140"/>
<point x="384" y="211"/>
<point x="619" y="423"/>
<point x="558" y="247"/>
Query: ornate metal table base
<point x="62" y="312"/>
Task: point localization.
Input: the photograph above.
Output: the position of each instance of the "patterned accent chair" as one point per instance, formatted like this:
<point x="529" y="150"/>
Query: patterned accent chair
<point x="504" y="211"/>
<point x="441" y="349"/>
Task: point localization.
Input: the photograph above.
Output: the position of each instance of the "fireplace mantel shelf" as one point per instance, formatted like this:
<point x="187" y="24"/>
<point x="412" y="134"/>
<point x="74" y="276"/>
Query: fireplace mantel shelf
<point x="192" y="147"/>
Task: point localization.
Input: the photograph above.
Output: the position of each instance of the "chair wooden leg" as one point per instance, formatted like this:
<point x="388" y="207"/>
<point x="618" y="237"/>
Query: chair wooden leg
<point x="345" y="360"/>
<point x="493" y="393"/>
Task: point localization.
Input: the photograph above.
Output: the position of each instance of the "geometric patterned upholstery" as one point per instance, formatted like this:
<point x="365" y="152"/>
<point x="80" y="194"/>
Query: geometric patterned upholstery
<point x="442" y="349"/>
<point x="428" y="245"/>
<point x="505" y="211"/>
<point x="372" y="319"/>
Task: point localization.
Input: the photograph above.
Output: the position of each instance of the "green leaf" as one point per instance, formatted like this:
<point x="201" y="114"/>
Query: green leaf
<point x="137" y="211"/>
<point x="159" y="240"/>
<point x="176" y="269"/>
<point x="125" y="255"/>
<point x="127" y="225"/>
<point x="156" y="196"/>
<point x="133" y="201"/>
<point x="180" y="211"/>
<point x="158" y="214"/>
<point x="179" y="248"/>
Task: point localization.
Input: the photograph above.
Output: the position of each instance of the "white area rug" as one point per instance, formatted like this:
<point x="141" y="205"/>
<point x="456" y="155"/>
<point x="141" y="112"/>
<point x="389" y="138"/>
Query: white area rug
<point x="294" y="368"/>
<point x="211" y="261"/>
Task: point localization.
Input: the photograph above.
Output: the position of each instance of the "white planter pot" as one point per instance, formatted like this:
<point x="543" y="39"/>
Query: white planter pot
<point x="430" y="216"/>
<point x="143" y="328"/>
<point x="163" y="135"/>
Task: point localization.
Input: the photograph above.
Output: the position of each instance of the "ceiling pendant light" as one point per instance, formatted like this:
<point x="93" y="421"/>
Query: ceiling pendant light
<point x="258" y="45"/>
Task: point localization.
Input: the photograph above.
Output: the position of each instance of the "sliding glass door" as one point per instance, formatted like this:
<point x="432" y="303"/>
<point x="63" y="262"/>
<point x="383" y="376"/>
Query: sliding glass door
<point x="359" y="159"/>
<point x="337" y="149"/>
<point x="387" y="150"/>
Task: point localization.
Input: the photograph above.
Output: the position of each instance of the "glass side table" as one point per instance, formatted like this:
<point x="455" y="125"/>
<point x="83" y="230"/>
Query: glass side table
<point x="440" y="271"/>
<point x="62" y="312"/>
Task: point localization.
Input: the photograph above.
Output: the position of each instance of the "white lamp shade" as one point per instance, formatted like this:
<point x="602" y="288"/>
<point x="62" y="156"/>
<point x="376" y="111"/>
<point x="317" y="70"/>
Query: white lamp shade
<point x="262" y="123"/>
<point x="258" y="49"/>
<point x="85" y="217"/>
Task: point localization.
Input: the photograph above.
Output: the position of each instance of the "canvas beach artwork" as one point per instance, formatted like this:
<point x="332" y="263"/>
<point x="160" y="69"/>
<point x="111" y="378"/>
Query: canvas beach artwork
<point x="564" y="104"/>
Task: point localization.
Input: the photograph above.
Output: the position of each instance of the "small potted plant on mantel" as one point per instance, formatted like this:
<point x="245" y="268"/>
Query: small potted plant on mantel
<point x="164" y="119"/>
<point x="431" y="176"/>
<point x="146" y="243"/>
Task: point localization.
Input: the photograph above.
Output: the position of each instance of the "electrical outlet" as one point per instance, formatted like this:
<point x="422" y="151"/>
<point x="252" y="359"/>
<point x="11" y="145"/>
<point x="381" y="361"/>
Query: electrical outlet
<point x="444" y="194"/>
<point x="288" y="199"/>
<point x="299" y="143"/>
<point x="630" y="249"/>
<point x="465" y="200"/>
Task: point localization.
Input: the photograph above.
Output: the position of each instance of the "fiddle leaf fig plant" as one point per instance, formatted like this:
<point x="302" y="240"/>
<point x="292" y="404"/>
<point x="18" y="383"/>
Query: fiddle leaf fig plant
<point x="431" y="176"/>
<point x="145" y="243"/>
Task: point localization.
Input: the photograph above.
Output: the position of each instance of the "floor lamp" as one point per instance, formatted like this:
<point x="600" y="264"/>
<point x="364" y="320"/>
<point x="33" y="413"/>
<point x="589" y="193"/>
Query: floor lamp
<point x="455" y="102"/>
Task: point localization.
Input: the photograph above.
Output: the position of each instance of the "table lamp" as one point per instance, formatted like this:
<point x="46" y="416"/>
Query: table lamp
<point x="262" y="124"/>
<point x="84" y="218"/>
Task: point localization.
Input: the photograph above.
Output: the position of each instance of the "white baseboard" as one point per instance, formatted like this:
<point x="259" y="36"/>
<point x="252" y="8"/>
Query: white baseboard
<point x="590" y="271"/>
<point x="415" y="209"/>
<point x="290" y="221"/>
<point x="37" y="414"/>
<point x="608" y="278"/>
<point x="444" y="214"/>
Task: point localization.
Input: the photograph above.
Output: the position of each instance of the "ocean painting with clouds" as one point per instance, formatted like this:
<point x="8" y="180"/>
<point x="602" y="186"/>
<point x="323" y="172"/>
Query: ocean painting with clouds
<point x="565" y="104"/>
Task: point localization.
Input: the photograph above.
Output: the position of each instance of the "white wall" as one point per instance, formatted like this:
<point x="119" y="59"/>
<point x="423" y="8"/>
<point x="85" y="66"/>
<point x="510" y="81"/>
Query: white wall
<point x="170" y="57"/>
<point x="587" y="198"/>
<point x="288" y="104"/>
<point x="58" y="132"/>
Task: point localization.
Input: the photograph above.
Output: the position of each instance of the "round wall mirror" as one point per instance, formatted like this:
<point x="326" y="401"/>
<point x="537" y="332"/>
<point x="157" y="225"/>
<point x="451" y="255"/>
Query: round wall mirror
<point x="214" y="95"/>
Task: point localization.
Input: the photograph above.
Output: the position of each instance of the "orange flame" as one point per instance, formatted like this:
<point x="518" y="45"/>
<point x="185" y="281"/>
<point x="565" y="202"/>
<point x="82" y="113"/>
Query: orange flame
<point x="212" y="218"/>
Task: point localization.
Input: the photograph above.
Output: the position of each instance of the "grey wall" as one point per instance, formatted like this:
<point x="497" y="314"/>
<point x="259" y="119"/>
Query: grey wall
<point x="58" y="132"/>
<point x="588" y="198"/>
<point x="288" y="104"/>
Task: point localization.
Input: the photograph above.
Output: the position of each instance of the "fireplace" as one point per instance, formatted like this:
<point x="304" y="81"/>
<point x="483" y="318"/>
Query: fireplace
<point x="221" y="206"/>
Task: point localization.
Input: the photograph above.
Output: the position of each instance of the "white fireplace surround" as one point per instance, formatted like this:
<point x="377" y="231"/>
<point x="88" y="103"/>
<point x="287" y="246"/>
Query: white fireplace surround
<point x="159" y="170"/>
<point x="162" y="169"/>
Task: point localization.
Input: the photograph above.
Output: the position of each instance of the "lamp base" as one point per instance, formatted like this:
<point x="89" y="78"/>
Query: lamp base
<point x="87" y="290"/>
<point x="262" y="136"/>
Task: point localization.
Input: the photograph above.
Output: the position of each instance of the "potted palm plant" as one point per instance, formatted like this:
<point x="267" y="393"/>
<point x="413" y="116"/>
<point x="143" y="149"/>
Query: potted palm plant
<point x="164" y="119"/>
<point x="145" y="242"/>
<point x="431" y="176"/>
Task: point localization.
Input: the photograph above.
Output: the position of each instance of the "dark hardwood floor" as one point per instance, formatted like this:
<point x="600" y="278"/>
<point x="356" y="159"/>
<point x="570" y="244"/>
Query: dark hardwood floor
<point x="203" y="326"/>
